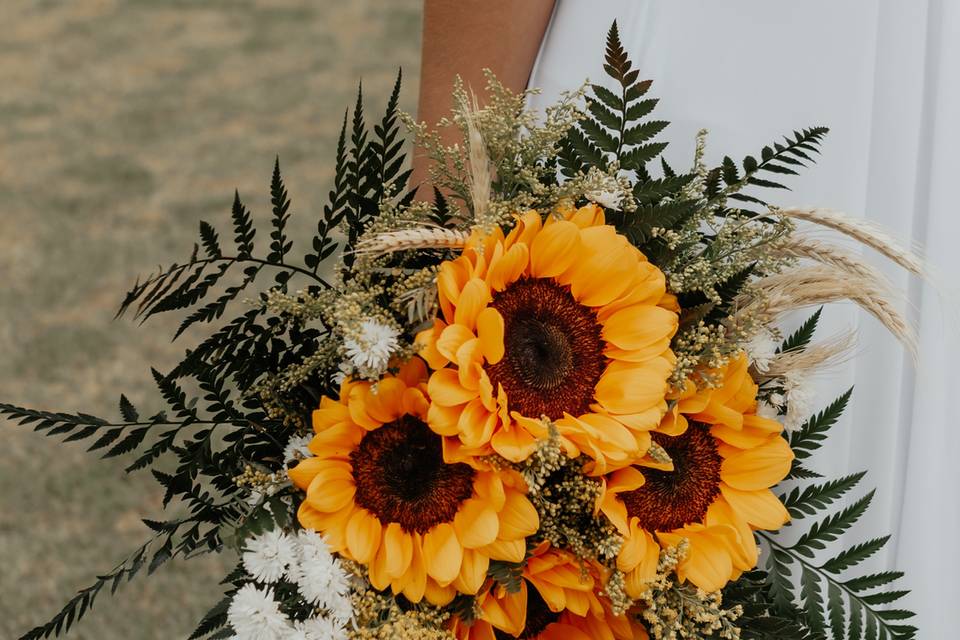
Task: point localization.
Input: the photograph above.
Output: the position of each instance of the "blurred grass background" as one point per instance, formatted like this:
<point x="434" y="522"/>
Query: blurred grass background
<point x="122" y="124"/>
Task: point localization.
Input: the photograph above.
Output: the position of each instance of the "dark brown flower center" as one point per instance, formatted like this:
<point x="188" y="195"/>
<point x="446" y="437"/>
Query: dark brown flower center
<point x="670" y="499"/>
<point x="553" y="351"/>
<point x="539" y="617"/>
<point x="401" y="476"/>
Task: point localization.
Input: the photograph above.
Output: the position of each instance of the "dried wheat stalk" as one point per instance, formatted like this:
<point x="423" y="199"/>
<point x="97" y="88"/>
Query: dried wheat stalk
<point x="830" y="352"/>
<point x="808" y="286"/>
<point x="410" y="239"/>
<point x="799" y="245"/>
<point x="862" y="232"/>
<point x="479" y="176"/>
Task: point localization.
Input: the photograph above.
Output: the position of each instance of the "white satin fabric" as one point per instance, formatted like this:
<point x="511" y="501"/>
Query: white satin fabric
<point x="884" y="75"/>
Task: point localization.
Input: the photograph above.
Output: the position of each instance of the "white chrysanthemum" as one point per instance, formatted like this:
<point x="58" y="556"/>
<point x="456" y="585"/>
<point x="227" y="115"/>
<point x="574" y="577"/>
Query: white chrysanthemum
<point x="371" y="350"/>
<point x="319" y="628"/>
<point x="297" y="448"/>
<point x="799" y="400"/>
<point x="268" y="557"/>
<point x="762" y="349"/>
<point x="320" y="577"/>
<point x="255" y="615"/>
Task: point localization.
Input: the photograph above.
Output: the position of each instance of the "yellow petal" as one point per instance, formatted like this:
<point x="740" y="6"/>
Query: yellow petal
<point x="513" y="443"/>
<point x="417" y="574"/>
<point x="508" y="268"/>
<point x="527" y="227"/>
<point x="518" y="518"/>
<point x="363" y="536"/>
<point x="445" y="389"/>
<point x="302" y="474"/>
<point x="635" y="389"/>
<point x="490" y="332"/>
<point x="377" y="570"/>
<point x="332" y="525"/>
<point x="451" y="338"/>
<point x="329" y="493"/>
<point x="443" y="420"/>
<point x="476" y="424"/>
<point x="605" y="268"/>
<point x="506" y="550"/>
<point x="761" y="508"/>
<point x="489" y="487"/>
<point x="589" y="215"/>
<point x="508" y="613"/>
<point x="638" y="326"/>
<point x="473" y="572"/>
<point x="386" y="405"/>
<point x="554" y="249"/>
<point x="398" y="546"/>
<point x="639" y="551"/>
<point x="758" y="468"/>
<point x="439" y="595"/>
<point x="331" y="412"/>
<point x="472" y="300"/>
<point x="442" y="553"/>
<point x="709" y="563"/>
<point x="476" y="523"/>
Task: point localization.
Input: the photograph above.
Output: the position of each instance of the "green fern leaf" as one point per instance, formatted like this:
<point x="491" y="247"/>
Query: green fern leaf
<point x="813" y="498"/>
<point x="799" y="339"/>
<point x="854" y="555"/>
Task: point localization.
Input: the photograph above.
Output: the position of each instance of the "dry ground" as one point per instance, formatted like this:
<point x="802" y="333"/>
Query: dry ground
<point x="122" y="123"/>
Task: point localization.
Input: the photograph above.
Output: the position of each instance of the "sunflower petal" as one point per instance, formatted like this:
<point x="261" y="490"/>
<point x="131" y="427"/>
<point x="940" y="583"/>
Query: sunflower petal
<point x="476" y="523"/>
<point x="442" y="553"/>
<point x="490" y="332"/>
<point x="398" y="546"/>
<point x="758" y="468"/>
<point x="363" y="536"/>
<point x="554" y="249"/>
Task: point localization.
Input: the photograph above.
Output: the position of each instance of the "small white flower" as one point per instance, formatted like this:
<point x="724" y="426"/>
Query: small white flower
<point x="767" y="410"/>
<point x="267" y="557"/>
<point x="799" y="400"/>
<point x="762" y="349"/>
<point x="343" y="370"/>
<point x="297" y="448"/>
<point x="605" y="198"/>
<point x="321" y="578"/>
<point x="255" y="615"/>
<point x="319" y="628"/>
<point x="371" y="350"/>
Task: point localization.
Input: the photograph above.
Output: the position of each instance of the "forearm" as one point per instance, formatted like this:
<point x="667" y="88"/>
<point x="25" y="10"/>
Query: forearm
<point x="463" y="37"/>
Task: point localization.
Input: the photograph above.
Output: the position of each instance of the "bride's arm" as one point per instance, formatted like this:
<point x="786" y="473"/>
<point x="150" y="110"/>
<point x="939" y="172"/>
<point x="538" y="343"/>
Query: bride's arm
<point x="464" y="37"/>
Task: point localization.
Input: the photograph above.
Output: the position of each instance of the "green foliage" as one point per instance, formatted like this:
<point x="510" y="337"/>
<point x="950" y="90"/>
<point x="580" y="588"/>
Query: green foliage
<point x="830" y="603"/>
<point x="809" y="437"/>
<point x="782" y="158"/>
<point x="798" y="340"/>
<point x="508" y="574"/>
<point x="204" y="440"/>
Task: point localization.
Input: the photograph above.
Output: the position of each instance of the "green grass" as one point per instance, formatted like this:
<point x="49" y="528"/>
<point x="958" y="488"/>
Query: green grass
<point x="123" y="123"/>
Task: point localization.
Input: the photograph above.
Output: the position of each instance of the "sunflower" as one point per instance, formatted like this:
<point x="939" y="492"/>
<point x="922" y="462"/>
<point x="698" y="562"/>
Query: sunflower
<point x="725" y="459"/>
<point x="558" y="600"/>
<point x="563" y="320"/>
<point x="380" y="492"/>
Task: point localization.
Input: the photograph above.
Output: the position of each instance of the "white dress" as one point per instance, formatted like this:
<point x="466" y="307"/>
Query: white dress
<point x="884" y="75"/>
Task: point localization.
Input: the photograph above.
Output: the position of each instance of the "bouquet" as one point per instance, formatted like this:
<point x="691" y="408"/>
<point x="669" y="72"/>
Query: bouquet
<point x="554" y="403"/>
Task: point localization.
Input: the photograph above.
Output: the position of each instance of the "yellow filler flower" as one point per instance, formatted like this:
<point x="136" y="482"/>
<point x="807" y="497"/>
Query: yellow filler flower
<point x="380" y="493"/>
<point x="725" y="459"/>
<point x="559" y="599"/>
<point x="563" y="320"/>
